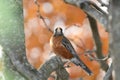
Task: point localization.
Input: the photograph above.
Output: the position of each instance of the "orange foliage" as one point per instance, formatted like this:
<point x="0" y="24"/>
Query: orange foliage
<point x="37" y="35"/>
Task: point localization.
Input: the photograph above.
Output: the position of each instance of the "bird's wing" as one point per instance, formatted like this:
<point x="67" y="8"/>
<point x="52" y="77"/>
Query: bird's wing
<point x="76" y="60"/>
<point x="66" y="43"/>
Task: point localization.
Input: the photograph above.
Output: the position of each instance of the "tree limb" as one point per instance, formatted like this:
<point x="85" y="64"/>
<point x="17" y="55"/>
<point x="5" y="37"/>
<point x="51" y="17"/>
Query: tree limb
<point x="108" y="75"/>
<point x="54" y="64"/>
<point x="98" y="43"/>
<point x="114" y="32"/>
<point x="92" y="9"/>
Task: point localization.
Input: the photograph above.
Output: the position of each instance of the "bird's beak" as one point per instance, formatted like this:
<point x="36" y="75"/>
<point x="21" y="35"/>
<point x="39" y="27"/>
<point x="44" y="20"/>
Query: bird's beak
<point x="59" y="30"/>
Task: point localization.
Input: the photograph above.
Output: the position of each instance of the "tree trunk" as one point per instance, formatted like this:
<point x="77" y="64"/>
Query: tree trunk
<point x="114" y="28"/>
<point x="12" y="42"/>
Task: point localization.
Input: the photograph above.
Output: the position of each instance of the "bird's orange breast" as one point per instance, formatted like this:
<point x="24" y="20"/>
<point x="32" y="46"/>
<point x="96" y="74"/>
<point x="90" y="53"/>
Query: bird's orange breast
<point x="58" y="48"/>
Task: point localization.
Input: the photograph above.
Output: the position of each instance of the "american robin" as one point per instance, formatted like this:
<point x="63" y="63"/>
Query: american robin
<point x="62" y="47"/>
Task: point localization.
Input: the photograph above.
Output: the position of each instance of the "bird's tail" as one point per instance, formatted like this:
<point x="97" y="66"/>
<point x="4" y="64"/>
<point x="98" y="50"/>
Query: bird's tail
<point x="80" y="63"/>
<point x="85" y="68"/>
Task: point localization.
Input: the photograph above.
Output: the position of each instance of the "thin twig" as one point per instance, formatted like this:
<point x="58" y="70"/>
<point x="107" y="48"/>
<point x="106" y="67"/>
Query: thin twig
<point x="92" y="57"/>
<point x="40" y="16"/>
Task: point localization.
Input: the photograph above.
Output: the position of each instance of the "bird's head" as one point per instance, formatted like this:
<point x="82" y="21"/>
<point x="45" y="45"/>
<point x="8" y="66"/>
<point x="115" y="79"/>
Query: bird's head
<point x="58" y="31"/>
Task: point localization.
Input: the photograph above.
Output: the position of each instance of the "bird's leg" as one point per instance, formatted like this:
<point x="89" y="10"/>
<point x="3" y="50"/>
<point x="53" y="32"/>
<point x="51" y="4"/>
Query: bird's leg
<point x="67" y="65"/>
<point x="66" y="62"/>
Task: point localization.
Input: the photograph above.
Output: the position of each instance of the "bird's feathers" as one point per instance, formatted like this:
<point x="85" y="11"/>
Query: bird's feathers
<point x="69" y="46"/>
<point x="82" y="65"/>
<point x="76" y="60"/>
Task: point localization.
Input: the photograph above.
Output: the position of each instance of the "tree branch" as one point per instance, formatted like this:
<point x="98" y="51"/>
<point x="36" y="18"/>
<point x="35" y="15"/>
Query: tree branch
<point x="54" y="64"/>
<point x="40" y="16"/>
<point x="108" y="75"/>
<point x="92" y="9"/>
<point x="114" y="32"/>
<point x="98" y="43"/>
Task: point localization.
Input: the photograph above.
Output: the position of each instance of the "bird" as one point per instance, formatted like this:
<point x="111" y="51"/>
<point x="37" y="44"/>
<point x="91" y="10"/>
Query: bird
<point x="62" y="47"/>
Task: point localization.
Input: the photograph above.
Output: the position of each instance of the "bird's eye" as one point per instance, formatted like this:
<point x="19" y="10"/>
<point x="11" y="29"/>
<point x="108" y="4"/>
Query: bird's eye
<point x="61" y="29"/>
<point x="56" y="30"/>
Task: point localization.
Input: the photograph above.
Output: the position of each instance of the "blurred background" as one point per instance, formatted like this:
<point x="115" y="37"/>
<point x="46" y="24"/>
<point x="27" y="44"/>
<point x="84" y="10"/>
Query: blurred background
<point x="76" y="27"/>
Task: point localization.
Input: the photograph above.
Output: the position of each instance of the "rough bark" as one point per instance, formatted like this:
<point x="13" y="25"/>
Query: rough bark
<point x="114" y="29"/>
